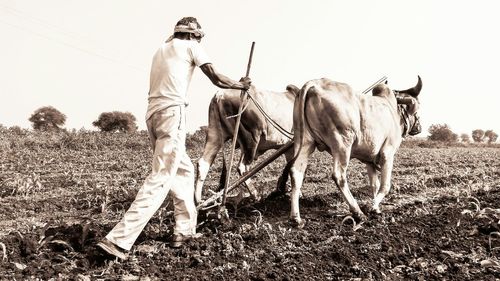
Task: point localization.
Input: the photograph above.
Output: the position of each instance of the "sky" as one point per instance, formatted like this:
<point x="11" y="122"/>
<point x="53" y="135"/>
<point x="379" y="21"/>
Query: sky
<point x="89" y="57"/>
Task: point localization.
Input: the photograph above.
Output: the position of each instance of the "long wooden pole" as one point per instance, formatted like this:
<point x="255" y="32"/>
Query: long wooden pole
<point x="236" y="128"/>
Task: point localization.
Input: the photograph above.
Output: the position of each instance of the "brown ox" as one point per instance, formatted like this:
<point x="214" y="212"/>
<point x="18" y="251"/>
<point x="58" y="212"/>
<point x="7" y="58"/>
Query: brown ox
<point x="256" y="135"/>
<point x="329" y="116"/>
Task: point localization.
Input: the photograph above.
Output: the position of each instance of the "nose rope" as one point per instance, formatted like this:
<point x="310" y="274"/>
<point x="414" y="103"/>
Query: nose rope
<point x="403" y="113"/>
<point x="408" y="125"/>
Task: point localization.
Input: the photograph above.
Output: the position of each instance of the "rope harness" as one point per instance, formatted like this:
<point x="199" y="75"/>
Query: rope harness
<point x="409" y="127"/>
<point x="275" y="124"/>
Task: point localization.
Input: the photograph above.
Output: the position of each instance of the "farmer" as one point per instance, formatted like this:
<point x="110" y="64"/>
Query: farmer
<point x="172" y="169"/>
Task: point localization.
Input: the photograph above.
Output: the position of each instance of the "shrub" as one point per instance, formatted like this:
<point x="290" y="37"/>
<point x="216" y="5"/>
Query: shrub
<point x="47" y="118"/>
<point x="492" y="136"/>
<point x="465" y="138"/>
<point x="478" y="135"/>
<point x="116" y="121"/>
<point x="16" y="130"/>
<point x="442" y="132"/>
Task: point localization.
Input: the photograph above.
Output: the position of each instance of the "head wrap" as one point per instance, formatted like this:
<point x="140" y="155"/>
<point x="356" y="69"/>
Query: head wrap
<point x="191" y="27"/>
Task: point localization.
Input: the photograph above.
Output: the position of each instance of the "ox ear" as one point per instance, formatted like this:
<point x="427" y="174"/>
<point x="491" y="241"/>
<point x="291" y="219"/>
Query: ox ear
<point x="293" y="89"/>
<point x="415" y="90"/>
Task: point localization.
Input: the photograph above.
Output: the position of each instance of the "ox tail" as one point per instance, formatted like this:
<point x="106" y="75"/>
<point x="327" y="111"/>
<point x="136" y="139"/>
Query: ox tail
<point x="299" y="120"/>
<point x="300" y="117"/>
<point x="223" y="174"/>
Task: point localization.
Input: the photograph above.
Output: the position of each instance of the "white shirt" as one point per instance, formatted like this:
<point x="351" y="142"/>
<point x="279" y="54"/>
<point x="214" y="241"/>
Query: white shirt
<point x="171" y="72"/>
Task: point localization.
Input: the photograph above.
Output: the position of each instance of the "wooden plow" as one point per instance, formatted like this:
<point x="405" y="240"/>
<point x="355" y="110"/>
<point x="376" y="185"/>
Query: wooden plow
<point x="213" y="200"/>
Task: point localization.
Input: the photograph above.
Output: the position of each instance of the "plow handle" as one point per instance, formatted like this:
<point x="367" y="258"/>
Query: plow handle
<point x="236" y="128"/>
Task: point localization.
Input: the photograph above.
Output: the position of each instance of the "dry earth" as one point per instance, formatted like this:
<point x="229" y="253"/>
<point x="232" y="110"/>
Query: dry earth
<point x="59" y="194"/>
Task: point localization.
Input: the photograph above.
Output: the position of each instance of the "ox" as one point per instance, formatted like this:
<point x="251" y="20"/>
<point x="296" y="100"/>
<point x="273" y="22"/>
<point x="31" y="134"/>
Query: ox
<point x="329" y="116"/>
<point x="255" y="136"/>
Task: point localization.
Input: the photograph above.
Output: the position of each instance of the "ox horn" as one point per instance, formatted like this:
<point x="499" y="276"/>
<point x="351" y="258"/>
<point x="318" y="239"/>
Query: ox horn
<point x="415" y="90"/>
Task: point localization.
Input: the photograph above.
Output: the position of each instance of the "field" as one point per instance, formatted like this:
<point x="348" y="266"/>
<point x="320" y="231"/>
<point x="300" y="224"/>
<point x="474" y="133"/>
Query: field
<point x="60" y="193"/>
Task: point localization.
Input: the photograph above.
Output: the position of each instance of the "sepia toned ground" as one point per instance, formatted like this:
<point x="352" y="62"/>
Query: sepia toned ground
<point x="60" y="193"/>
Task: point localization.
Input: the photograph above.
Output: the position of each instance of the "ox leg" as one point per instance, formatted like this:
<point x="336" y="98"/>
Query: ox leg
<point x="385" y="182"/>
<point x="242" y="169"/>
<point x="373" y="179"/>
<point x="281" y="187"/>
<point x="340" y="163"/>
<point x="203" y="166"/>
<point x="297" y="173"/>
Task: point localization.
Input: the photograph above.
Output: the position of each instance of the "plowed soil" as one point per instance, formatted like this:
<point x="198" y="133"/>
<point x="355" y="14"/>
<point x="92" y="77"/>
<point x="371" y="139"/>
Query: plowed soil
<point x="439" y="222"/>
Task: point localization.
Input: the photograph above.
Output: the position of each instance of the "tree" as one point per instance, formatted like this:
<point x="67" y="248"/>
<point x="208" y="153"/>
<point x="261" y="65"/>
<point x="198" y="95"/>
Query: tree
<point x="492" y="136"/>
<point x="442" y="132"/>
<point x="47" y="118"/>
<point x="465" y="138"/>
<point x="478" y="135"/>
<point x="116" y="121"/>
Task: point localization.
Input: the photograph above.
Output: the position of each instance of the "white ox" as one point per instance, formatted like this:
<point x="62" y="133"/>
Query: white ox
<point x="255" y="136"/>
<point x="329" y="116"/>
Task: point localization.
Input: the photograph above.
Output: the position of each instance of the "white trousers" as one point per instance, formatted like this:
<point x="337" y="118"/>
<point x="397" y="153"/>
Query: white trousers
<point x="172" y="170"/>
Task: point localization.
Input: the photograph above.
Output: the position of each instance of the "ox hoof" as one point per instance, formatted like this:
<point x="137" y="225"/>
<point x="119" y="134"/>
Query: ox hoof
<point x="297" y="223"/>
<point x="197" y="201"/>
<point x="359" y="217"/>
<point x="198" y="198"/>
<point x="255" y="196"/>
<point x="275" y="194"/>
<point x="375" y="210"/>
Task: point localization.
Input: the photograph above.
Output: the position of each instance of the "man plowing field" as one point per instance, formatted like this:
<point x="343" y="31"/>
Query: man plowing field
<point x="172" y="169"/>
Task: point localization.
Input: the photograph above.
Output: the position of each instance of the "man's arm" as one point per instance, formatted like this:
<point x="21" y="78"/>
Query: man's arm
<point x="222" y="81"/>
